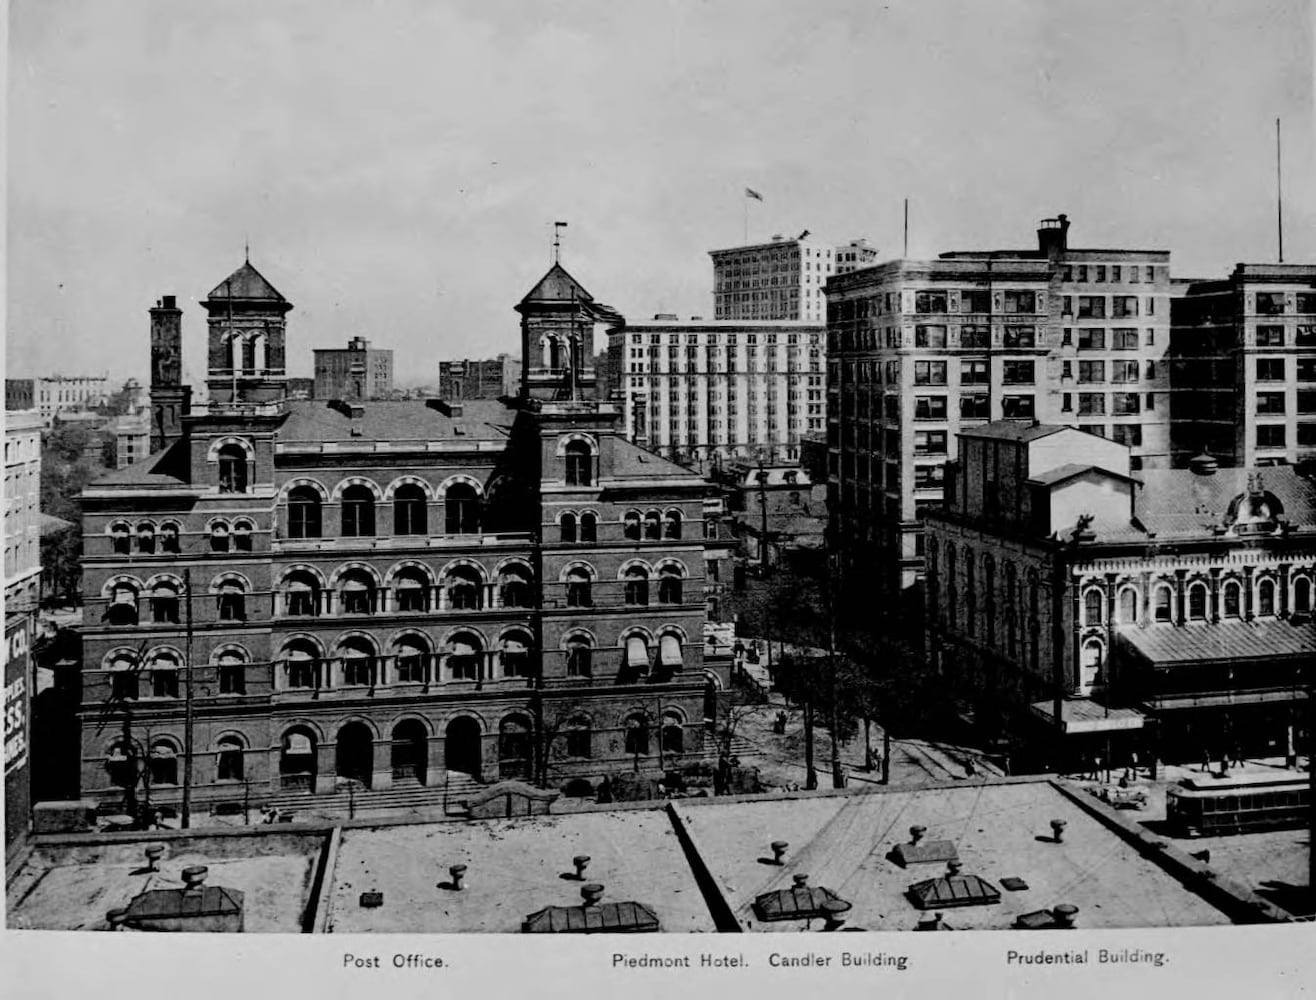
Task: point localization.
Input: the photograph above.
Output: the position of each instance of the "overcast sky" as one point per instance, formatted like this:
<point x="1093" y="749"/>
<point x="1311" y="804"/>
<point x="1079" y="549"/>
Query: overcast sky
<point x="397" y="166"/>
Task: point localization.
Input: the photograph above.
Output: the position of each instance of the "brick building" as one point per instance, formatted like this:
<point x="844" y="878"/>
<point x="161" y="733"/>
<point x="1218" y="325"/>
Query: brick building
<point x="357" y="371"/>
<point x="391" y="591"/>
<point x="1243" y="366"/>
<point x="471" y="378"/>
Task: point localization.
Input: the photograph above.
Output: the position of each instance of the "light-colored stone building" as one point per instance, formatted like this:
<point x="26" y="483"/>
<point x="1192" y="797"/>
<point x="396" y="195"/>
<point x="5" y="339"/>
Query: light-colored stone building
<point x="22" y="509"/>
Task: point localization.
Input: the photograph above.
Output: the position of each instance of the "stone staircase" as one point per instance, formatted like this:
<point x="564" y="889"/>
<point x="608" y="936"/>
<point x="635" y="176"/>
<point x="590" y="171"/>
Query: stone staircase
<point x="406" y="794"/>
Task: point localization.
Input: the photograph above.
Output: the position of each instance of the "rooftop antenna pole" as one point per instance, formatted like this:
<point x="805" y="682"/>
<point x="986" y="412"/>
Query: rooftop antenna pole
<point x="557" y="240"/>
<point x="234" y="348"/>
<point x="186" y="818"/>
<point x="906" y="253"/>
<point x="1279" y="194"/>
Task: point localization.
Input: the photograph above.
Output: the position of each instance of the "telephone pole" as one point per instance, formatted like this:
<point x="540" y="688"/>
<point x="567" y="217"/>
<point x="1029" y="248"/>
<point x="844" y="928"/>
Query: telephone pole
<point x="186" y="819"/>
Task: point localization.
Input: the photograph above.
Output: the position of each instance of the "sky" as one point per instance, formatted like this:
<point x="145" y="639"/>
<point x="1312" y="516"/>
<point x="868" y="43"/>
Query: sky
<point x="396" y="166"/>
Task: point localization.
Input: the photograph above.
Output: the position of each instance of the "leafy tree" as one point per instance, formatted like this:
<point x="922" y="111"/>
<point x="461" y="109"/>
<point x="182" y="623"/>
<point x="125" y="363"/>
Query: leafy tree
<point x="61" y="561"/>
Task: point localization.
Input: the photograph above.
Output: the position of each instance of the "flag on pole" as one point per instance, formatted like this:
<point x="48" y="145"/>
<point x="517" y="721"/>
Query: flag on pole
<point x="751" y="193"/>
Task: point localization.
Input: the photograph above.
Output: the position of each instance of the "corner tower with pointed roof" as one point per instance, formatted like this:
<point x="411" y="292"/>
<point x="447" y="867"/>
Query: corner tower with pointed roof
<point x="248" y="326"/>
<point x="557" y="338"/>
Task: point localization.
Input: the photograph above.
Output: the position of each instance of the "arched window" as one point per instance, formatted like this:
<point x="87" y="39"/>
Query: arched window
<point x="669" y="652"/>
<point x="1128" y="606"/>
<point x="163" y="763"/>
<point x="514" y="745"/>
<point x="303" y="664"/>
<point x="411" y="589"/>
<point x="516" y="655"/>
<point x="356" y="593"/>
<point x="579" y="657"/>
<point x="164" y="675"/>
<point x="578" y="464"/>
<point x="164" y="603"/>
<point x="1302" y="596"/>
<point x="631" y="525"/>
<point x="637" y="585"/>
<point x="358" y="512"/>
<point x="465" y="591"/>
<point x="120" y="540"/>
<point x="146" y="538"/>
<point x="304" y="512"/>
<point x="358" y="658"/>
<point x="169" y="537"/>
<point x="1092" y="660"/>
<point x="672" y="524"/>
<point x="464" y="653"/>
<point x="1197" y="595"/>
<point x="652" y="526"/>
<point x="637" y="735"/>
<point x="409" y="510"/>
<point x="579" y="593"/>
<point x="637" y="655"/>
<point x="232" y="469"/>
<point x="568" y="526"/>
<point x="579" y="741"/>
<point x="123" y="677"/>
<point x="219" y="537"/>
<point x="669" y="585"/>
<point x="242" y="536"/>
<point x="1094" y="606"/>
<point x="461" y="510"/>
<point x="1266" y="598"/>
<point x="231" y="602"/>
<point x="589" y="526"/>
<point x="514" y="588"/>
<point x="232" y="673"/>
<point x="673" y="733"/>
<point x="1164" y="607"/>
<point x="1233" y="595"/>
<point x="228" y="759"/>
<point x="411" y="655"/>
<point x="303" y="594"/>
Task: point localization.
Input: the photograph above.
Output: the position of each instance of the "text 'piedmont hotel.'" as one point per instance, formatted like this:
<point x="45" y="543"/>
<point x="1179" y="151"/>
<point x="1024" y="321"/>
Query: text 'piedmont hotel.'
<point x="920" y="349"/>
<point x="388" y="591"/>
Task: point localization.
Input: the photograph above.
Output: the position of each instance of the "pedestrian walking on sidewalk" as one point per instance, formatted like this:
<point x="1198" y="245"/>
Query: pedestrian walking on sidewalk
<point x="1206" y="760"/>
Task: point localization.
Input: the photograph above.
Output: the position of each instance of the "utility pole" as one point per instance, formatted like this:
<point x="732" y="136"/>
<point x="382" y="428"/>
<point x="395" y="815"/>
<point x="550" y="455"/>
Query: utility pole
<point x="838" y="775"/>
<point x="1279" y="194"/>
<point x="186" y="819"/>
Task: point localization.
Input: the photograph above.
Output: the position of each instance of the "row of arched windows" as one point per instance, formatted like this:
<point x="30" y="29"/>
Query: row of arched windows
<point x="164" y="594"/>
<point x="1164" y="599"/>
<point x="148" y="538"/>
<point x="359" y="504"/>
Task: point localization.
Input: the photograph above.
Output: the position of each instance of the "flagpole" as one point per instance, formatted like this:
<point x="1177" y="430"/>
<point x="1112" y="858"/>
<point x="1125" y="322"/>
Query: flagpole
<point x="745" y="241"/>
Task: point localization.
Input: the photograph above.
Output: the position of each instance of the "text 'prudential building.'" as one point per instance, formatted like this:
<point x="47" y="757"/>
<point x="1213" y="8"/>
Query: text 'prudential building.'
<point x="919" y="350"/>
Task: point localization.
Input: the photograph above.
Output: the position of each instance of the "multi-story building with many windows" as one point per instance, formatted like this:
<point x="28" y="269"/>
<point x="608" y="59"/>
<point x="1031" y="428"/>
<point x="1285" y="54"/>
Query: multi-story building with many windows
<point x="22" y="509"/>
<point x="1243" y="366"/>
<point x="779" y="280"/>
<point x="701" y="392"/>
<point x="357" y="371"/>
<point x="919" y="350"/>
<point x="389" y="592"/>
<point x="57" y="394"/>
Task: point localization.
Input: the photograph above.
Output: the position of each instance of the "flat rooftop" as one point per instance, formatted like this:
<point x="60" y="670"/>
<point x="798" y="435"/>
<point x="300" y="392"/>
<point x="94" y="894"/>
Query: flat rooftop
<point x="515" y="867"/>
<point x="842" y="844"/>
<point x="72" y="889"/>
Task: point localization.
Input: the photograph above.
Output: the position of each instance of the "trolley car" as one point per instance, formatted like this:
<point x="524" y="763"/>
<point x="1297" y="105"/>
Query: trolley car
<point x="1210" y="807"/>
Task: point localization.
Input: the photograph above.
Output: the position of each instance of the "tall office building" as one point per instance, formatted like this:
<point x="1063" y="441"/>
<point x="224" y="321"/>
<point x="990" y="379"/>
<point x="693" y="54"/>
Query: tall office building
<point x="22" y="509"/>
<point x="57" y="394"/>
<point x="702" y="391"/>
<point x="1243" y="367"/>
<point x="357" y="371"/>
<point x="919" y="350"/>
<point x="779" y="280"/>
<point x="854" y="255"/>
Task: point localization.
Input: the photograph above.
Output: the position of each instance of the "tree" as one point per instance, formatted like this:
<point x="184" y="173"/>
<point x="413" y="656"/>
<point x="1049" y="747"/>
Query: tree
<point x="61" y="561"/>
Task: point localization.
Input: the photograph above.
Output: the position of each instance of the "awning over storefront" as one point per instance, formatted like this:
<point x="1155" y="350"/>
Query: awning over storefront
<point x="1164" y="644"/>
<point x="1084" y="715"/>
<point x="1226" y="699"/>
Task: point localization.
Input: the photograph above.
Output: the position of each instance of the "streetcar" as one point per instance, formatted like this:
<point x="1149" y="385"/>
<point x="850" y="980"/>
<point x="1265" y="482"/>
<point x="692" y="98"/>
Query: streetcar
<point x="1210" y="807"/>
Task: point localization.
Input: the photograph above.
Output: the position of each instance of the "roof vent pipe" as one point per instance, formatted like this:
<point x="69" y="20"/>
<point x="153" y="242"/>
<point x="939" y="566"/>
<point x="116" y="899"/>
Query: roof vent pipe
<point x="1064" y="915"/>
<point x="194" y="877"/>
<point x="591" y="893"/>
<point x="916" y="833"/>
<point x="1058" y="830"/>
<point x="779" y="851"/>
<point x="801" y="880"/>
<point x="580" y="861"/>
<point x="457" y="872"/>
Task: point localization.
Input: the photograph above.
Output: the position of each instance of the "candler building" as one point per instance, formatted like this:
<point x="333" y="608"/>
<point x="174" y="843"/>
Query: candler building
<point x="403" y="592"/>
<point x="919" y="350"/>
